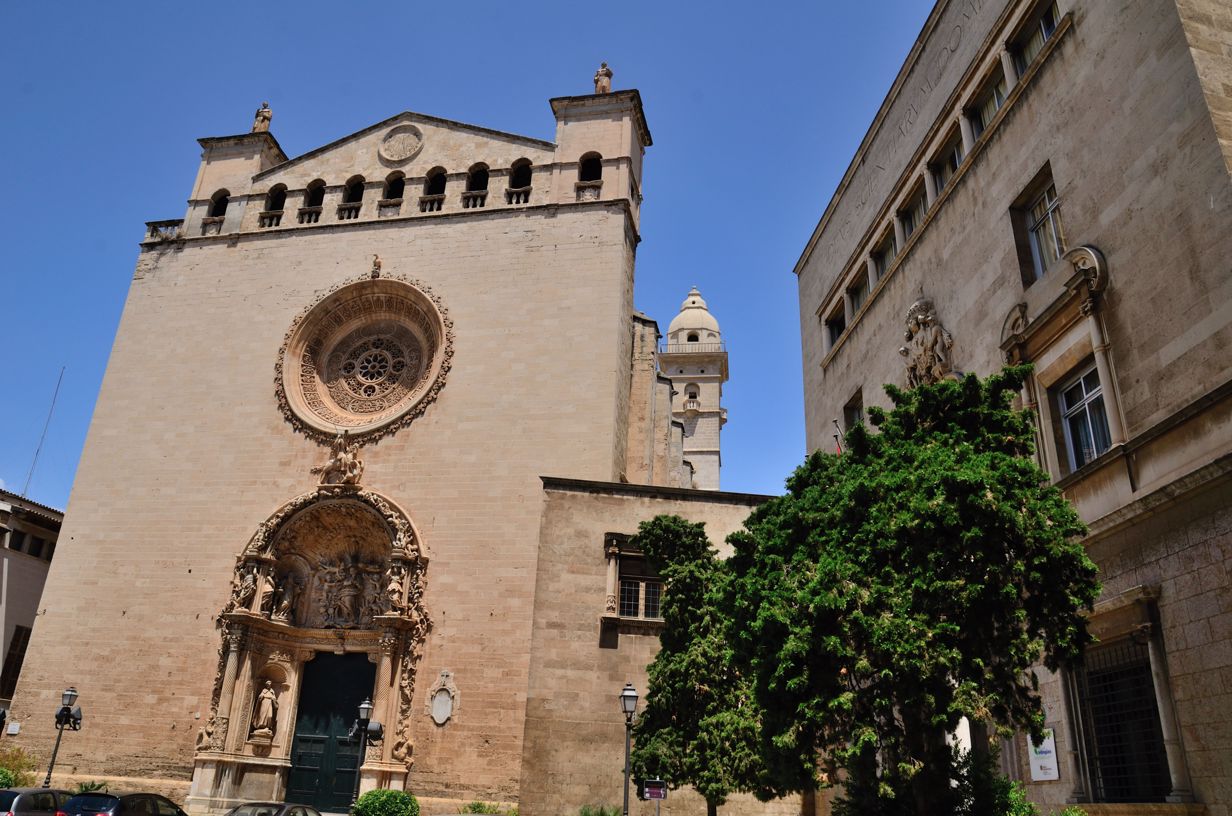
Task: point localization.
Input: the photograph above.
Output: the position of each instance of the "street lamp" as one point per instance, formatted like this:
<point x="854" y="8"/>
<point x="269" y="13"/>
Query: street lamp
<point x="66" y="716"/>
<point x="366" y="731"/>
<point x="628" y="705"/>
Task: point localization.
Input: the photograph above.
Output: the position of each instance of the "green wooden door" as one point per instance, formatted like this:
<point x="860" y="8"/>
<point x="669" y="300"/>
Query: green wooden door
<point x="323" y="760"/>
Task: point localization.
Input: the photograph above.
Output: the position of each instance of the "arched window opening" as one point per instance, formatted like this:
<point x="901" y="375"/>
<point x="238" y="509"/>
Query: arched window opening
<point x="395" y="185"/>
<point x="519" y="182"/>
<point x="692" y="338"/>
<point x="519" y="174"/>
<point x="218" y="203"/>
<point x="433" y="198"/>
<point x="314" y="198"/>
<point x="476" y="194"/>
<point x="477" y="179"/>
<point x="275" y="201"/>
<point x="315" y="195"/>
<point x="353" y="193"/>
<point x="590" y="168"/>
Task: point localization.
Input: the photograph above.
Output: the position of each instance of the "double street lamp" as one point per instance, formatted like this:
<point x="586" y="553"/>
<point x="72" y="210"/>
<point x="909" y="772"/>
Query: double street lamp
<point x="628" y="705"/>
<point x="366" y="731"/>
<point x="66" y="717"/>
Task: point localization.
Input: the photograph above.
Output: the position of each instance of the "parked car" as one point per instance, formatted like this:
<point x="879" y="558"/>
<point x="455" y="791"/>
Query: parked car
<point x="98" y="803"/>
<point x="272" y="809"/>
<point x="32" y="801"/>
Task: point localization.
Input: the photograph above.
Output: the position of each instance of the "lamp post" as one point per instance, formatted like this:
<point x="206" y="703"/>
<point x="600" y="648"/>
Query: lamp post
<point x="66" y="716"/>
<point x="365" y="729"/>
<point x="628" y="705"/>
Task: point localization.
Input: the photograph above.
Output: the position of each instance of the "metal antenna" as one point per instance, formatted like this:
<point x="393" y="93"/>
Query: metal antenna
<point x="33" y="462"/>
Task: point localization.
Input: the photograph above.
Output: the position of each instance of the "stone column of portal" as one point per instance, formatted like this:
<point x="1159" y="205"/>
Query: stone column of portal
<point x="385" y="695"/>
<point x="1112" y="406"/>
<point x="233" y="640"/>
<point x="1178" y="771"/>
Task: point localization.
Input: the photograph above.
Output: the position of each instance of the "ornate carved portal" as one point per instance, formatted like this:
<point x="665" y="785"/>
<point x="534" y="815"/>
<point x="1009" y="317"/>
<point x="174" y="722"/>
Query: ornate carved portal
<point x="337" y="569"/>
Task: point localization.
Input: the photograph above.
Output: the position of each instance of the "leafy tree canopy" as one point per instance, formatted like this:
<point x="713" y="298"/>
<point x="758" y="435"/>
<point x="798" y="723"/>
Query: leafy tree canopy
<point x="910" y="582"/>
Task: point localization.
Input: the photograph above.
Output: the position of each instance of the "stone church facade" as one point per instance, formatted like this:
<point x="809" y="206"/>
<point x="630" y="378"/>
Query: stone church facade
<point x="1049" y="182"/>
<point x="378" y="422"/>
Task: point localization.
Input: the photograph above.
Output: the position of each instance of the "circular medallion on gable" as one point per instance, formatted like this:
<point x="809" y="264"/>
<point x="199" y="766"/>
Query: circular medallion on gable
<point x="367" y="358"/>
<point x="401" y="144"/>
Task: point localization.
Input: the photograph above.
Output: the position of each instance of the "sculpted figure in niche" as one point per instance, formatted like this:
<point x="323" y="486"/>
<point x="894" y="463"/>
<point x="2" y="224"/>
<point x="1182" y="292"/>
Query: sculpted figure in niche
<point x="284" y="600"/>
<point x="344" y="465"/>
<point x="205" y="737"/>
<point x="927" y="346"/>
<point x="243" y="588"/>
<point x="395" y="592"/>
<point x="264" y="716"/>
<point x="261" y="119"/>
<point x="603" y="79"/>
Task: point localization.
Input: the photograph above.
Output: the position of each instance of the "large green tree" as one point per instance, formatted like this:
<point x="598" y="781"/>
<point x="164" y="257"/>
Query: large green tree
<point x="907" y="583"/>
<point x="699" y="726"/>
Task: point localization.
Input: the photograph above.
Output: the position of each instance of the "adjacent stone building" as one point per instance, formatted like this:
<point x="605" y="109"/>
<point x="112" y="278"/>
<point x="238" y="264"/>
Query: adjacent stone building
<point x="1048" y="182"/>
<point x="378" y="423"/>
<point x="28" y="535"/>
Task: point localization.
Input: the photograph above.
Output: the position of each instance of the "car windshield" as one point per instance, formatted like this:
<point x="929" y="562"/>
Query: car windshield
<point x="256" y="810"/>
<point x="91" y="802"/>
<point x="7" y="798"/>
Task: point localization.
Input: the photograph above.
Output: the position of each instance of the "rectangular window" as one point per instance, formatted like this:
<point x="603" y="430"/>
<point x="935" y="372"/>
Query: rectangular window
<point x="630" y="597"/>
<point x="1084" y="418"/>
<point x="1034" y="35"/>
<point x="857" y="293"/>
<point x="654" y="597"/>
<point x="1044" y="231"/>
<point x="13" y="661"/>
<point x="853" y="411"/>
<point x="912" y="215"/>
<point x="945" y="165"/>
<point x="36" y="547"/>
<point x="836" y="324"/>
<point x="17" y="541"/>
<point x="1120" y="717"/>
<point x="987" y="103"/>
<point x="883" y="256"/>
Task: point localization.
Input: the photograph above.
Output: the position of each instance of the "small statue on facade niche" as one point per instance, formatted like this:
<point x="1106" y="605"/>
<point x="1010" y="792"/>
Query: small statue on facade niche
<point x="205" y="737"/>
<point x="376" y="266"/>
<point x="928" y="346"/>
<point x="261" y="119"/>
<point x="344" y="465"/>
<point x="284" y="600"/>
<point x="243" y="588"/>
<point x="264" y="716"/>
<point x="395" y="592"/>
<point x="603" y="79"/>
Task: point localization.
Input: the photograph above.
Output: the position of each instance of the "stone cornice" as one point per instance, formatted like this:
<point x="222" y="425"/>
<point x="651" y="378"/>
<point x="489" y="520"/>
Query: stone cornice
<point x="651" y="491"/>
<point x="244" y="138"/>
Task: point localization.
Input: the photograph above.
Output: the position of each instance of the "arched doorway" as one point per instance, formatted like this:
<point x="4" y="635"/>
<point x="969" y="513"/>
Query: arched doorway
<point x="326" y="604"/>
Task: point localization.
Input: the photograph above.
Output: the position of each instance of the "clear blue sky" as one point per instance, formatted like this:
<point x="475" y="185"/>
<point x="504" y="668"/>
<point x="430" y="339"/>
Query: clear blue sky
<point x="755" y="108"/>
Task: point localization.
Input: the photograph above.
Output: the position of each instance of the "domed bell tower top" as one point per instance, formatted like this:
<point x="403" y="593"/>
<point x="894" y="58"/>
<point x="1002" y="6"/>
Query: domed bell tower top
<point x="694" y="358"/>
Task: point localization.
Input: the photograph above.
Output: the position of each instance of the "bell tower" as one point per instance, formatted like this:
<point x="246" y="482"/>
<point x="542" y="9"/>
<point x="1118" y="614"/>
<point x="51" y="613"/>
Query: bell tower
<point x="695" y="360"/>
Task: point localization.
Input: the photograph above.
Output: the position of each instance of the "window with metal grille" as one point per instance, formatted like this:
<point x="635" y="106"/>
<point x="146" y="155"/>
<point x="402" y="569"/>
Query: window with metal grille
<point x="13" y="661"/>
<point x="641" y="591"/>
<point x="1120" y="723"/>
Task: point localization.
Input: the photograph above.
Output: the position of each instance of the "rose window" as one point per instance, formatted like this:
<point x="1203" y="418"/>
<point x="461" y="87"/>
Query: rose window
<point x="364" y="359"/>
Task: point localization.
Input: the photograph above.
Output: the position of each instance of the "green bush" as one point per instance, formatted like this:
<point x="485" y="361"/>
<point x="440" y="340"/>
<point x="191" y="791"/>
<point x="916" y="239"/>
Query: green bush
<point x="7" y="779"/>
<point x="90" y="787"/>
<point x="20" y="765"/>
<point x="384" y="802"/>
<point x="598" y="810"/>
<point x="480" y="807"/>
<point x="1072" y="811"/>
